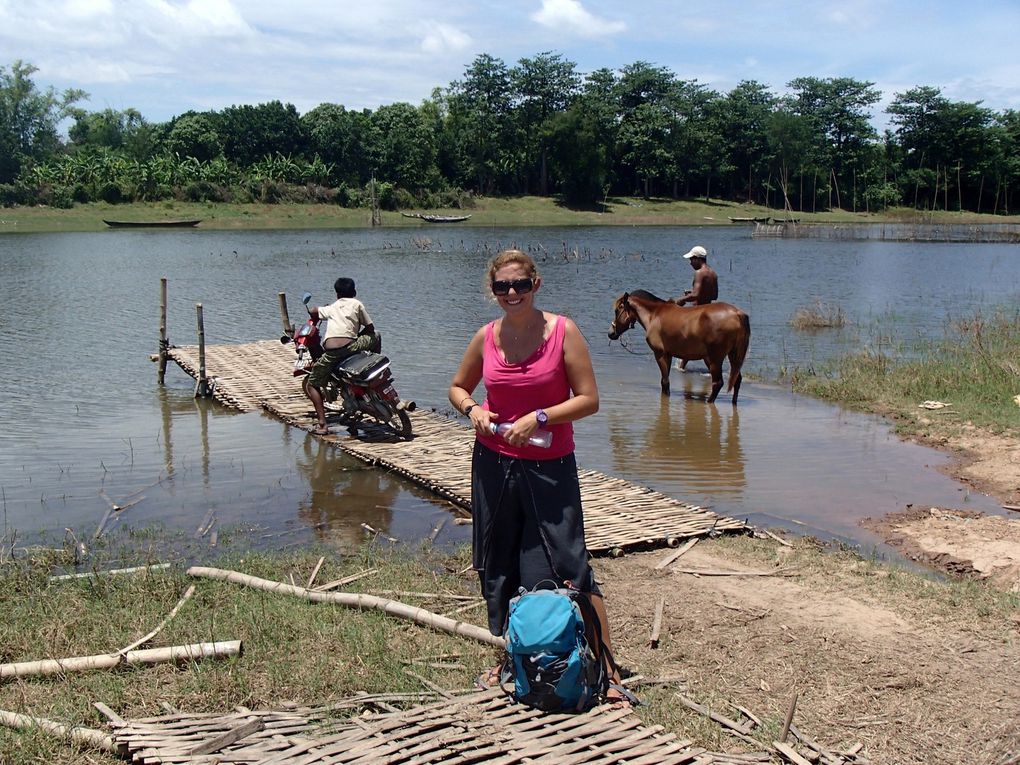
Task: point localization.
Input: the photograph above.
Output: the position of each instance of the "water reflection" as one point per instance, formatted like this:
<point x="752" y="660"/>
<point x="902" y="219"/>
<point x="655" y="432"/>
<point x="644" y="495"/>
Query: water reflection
<point x="687" y="440"/>
<point x="344" y="494"/>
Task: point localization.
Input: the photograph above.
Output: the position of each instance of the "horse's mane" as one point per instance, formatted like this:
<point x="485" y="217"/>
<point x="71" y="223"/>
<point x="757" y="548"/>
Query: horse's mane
<point x="646" y="295"/>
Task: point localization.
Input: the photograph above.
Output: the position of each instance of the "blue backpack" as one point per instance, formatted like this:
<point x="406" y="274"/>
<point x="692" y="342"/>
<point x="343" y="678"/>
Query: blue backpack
<point x="554" y="651"/>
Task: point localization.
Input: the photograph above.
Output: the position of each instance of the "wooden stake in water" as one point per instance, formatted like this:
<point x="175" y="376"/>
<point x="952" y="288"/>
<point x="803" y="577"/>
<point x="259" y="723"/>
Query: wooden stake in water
<point x="202" y="387"/>
<point x="163" y="342"/>
<point x="288" y="328"/>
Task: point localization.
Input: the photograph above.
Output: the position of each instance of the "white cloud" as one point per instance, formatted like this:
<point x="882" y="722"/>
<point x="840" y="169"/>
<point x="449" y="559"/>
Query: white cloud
<point x="571" y="16"/>
<point x="442" y="38"/>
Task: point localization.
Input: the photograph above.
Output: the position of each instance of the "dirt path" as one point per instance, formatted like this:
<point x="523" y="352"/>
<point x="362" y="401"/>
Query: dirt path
<point x="916" y="670"/>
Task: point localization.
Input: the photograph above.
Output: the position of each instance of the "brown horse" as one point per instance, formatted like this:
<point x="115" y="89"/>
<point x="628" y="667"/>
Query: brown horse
<point x="710" y="332"/>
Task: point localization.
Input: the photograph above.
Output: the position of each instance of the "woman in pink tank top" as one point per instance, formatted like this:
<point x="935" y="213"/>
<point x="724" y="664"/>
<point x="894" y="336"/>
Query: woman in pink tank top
<point x="528" y="526"/>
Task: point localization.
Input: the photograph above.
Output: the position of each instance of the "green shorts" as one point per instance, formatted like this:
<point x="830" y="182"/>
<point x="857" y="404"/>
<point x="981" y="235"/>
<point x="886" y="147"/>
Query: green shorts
<point x="319" y="375"/>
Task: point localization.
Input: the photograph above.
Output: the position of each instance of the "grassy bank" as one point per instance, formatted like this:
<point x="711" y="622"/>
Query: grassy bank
<point x="975" y="368"/>
<point x="518" y="211"/>
<point x="309" y="654"/>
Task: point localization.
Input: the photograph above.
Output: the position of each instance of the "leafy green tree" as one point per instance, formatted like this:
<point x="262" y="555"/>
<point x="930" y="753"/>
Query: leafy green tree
<point x="744" y="118"/>
<point x="341" y="137"/>
<point x="29" y="119"/>
<point x="577" y="156"/>
<point x="838" y="111"/>
<point x="250" y="133"/>
<point x="405" y="147"/>
<point x="487" y="151"/>
<point x="194" y="135"/>
<point x="646" y="120"/>
<point x="544" y="86"/>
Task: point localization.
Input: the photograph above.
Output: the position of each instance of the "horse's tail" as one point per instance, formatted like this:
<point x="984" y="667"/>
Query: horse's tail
<point x="738" y="352"/>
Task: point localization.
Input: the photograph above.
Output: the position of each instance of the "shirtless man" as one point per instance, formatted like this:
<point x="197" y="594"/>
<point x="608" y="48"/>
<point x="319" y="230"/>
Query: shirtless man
<point x="705" y="287"/>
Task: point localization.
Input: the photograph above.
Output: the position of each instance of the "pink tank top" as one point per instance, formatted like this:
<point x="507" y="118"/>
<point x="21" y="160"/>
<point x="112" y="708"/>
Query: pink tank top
<point x="514" y="390"/>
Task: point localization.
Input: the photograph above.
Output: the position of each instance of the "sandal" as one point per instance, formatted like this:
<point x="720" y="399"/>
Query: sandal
<point x="490" y="678"/>
<point x="618" y="695"/>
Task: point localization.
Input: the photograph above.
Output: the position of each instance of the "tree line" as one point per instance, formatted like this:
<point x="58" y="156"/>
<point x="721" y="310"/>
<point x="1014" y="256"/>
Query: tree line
<point x="538" y="127"/>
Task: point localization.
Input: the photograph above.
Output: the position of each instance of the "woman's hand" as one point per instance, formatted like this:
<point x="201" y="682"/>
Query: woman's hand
<point x="481" y="419"/>
<point x="521" y="430"/>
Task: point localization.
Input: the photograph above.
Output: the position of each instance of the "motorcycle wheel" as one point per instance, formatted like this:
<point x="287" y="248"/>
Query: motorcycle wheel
<point x="396" y="420"/>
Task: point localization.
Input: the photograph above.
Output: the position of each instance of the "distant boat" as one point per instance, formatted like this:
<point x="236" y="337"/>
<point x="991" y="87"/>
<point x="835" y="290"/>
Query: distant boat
<point x="152" y="223"/>
<point x="428" y="218"/>
<point x="749" y="220"/>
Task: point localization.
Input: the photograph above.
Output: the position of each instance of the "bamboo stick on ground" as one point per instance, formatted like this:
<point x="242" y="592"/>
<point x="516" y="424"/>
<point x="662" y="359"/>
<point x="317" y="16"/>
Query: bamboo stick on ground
<point x="315" y="573"/>
<point x="173" y="612"/>
<point x="790" y="754"/>
<point x="346" y="580"/>
<point x="676" y="554"/>
<point x="721" y="719"/>
<point x="110" y="572"/>
<point x="789" y="717"/>
<point x="177" y="653"/>
<point x="653" y="641"/>
<point x="89" y="736"/>
<point x="355" y="600"/>
<point x="698" y="572"/>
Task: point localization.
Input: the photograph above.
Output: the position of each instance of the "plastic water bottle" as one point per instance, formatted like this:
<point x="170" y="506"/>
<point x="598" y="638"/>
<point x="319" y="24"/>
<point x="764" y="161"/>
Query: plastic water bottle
<point x="540" y="437"/>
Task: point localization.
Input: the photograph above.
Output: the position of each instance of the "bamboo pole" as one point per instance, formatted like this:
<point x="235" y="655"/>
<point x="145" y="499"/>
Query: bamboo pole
<point x="173" y="612"/>
<point x="89" y="736"/>
<point x="288" y="328"/>
<point x="178" y="653"/>
<point x="355" y="600"/>
<point x="653" y="640"/>
<point x="111" y="572"/>
<point x="163" y="342"/>
<point x="202" y="387"/>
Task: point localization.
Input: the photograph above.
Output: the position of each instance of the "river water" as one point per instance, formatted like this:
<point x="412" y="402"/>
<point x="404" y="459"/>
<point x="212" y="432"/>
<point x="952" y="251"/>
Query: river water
<point x="85" y="424"/>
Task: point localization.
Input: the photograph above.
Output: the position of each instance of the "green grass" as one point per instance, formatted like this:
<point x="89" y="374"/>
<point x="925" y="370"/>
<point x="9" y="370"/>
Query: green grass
<point x="315" y="654"/>
<point x="515" y="211"/>
<point x="293" y="650"/>
<point x="975" y="368"/>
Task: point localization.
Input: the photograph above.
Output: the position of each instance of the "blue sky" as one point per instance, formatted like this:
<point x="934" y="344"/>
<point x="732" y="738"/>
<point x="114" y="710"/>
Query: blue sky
<point x="164" y="57"/>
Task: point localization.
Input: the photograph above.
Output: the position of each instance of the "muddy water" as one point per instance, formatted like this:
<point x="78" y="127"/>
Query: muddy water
<point x="84" y="423"/>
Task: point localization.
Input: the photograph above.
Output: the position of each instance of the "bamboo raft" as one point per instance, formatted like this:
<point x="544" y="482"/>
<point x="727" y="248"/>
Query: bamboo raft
<point x="480" y="727"/>
<point x="618" y="514"/>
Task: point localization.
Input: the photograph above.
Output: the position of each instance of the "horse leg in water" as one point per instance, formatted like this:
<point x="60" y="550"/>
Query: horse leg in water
<point x="735" y="383"/>
<point x="664" y="360"/>
<point x="715" y="368"/>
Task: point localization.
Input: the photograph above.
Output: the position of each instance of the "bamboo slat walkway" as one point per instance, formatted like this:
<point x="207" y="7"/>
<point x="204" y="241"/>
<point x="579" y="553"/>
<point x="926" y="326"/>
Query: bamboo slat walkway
<point x="618" y="514"/>
<point x="481" y="727"/>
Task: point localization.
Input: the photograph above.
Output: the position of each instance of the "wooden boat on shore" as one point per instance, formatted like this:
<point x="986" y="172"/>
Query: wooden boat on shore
<point x="152" y="223"/>
<point x="428" y="218"/>
<point x="749" y="220"/>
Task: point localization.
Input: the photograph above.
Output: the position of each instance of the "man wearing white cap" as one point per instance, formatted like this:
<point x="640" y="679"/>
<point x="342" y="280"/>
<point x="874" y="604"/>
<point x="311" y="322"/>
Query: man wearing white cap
<point x="705" y="288"/>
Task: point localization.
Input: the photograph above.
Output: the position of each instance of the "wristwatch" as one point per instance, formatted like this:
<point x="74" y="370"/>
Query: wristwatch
<point x="468" y="408"/>
<point x="541" y="416"/>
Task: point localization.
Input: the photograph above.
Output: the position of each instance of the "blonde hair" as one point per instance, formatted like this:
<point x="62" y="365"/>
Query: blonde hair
<point x="506" y="257"/>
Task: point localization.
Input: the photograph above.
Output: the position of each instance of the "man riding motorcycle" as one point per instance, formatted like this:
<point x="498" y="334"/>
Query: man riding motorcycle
<point x="349" y="329"/>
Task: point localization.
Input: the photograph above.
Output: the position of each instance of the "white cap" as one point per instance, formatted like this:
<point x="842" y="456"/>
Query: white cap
<point x="697" y="252"/>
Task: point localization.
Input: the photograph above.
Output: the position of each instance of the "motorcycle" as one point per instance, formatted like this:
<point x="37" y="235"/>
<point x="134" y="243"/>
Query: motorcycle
<point x="361" y="385"/>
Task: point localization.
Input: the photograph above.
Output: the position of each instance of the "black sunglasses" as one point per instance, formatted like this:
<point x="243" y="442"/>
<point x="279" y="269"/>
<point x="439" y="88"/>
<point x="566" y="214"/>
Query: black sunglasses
<point x="520" y="286"/>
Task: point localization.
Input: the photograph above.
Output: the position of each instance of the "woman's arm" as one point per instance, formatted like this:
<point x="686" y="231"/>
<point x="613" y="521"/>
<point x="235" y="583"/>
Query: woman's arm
<point x="466" y="379"/>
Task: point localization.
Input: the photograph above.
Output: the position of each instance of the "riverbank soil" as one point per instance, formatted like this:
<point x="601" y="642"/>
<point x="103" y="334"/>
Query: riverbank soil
<point x="916" y="670"/>
<point x="956" y="540"/>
